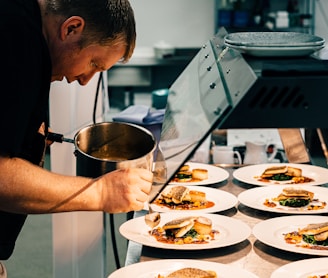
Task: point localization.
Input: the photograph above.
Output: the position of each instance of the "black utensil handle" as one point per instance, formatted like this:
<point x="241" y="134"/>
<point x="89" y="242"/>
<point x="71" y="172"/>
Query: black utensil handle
<point x="56" y="137"/>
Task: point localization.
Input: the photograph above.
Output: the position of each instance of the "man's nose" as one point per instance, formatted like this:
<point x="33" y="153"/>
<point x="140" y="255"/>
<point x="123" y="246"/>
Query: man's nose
<point x="83" y="80"/>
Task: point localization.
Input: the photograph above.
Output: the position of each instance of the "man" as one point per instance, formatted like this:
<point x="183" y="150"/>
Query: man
<point x="44" y="41"/>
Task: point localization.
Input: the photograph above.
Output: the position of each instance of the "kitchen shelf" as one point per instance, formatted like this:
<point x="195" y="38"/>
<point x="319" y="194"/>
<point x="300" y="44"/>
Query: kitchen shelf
<point x="306" y="11"/>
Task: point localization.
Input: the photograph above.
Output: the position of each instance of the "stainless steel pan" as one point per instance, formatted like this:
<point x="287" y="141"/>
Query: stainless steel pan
<point x="104" y="147"/>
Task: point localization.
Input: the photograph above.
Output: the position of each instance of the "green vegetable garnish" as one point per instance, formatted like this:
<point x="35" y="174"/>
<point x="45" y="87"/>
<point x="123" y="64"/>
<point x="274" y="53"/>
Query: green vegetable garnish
<point x="182" y="175"/>
<point x="310" y="239"/>
<point x="281" y="177"/>
<point x="292" y="202"/>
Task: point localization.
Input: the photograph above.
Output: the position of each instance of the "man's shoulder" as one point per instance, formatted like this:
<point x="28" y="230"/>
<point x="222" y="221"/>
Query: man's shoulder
<point x="22" y="9"/>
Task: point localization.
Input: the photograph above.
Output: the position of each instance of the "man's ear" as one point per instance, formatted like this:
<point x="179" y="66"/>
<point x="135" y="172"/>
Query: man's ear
<point x="73" y="25"/>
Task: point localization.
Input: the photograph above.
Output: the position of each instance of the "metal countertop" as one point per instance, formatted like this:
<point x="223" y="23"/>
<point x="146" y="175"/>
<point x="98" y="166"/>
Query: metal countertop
<point x="251" y="254"/>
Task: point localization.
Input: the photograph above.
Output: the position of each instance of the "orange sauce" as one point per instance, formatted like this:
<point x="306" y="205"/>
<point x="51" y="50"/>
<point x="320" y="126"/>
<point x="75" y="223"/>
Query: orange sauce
<point x="271" y="204"/>
<point x="294" y="180"/>
<point x="186" y="205"/>
<point x="315" y="247"/>
<point x="160" y="236"/>
<point x="315" y="276"/>
<point x="296" y="238"/>
<point x="184" y="181"/>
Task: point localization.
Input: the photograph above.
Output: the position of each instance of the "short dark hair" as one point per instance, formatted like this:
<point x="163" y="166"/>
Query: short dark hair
<point x="107" y="22"/>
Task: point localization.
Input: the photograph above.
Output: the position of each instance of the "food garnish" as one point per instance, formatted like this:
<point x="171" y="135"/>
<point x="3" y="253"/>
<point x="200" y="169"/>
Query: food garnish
<point x="283" y="174"/>
<point x="313" y="236"/>
<point x="185" y="174"/>
<point x="293" y="197"/>
<point x="186" y="230"/>
<point x="181" y="198"/>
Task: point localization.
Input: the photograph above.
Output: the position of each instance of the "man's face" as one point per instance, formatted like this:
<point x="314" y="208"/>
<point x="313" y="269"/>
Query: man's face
<point x="73" y="63"/>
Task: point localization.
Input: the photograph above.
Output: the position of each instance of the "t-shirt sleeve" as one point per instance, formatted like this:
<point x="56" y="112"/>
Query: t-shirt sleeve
<point x="21" y="82"/>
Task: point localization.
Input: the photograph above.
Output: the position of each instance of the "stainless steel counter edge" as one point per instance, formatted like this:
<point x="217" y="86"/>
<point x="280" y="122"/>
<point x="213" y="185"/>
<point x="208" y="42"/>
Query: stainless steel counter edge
<point x="134" y="249"/>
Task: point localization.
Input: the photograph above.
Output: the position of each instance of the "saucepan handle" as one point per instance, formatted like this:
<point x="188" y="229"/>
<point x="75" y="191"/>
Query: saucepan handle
<point x="56" y="137"/>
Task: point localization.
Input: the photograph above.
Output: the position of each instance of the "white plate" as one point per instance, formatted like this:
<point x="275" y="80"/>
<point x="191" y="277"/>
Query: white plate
<point x="302" y="269"/>
<point x="232" y="231"/>
<point x="255" y="197"/>
<point x="248" y="174"/>
<point x="271" y="232"/>
<point x="215" y="174"/>
<point x="151" y="269"/>
<point x="269" y="39"/>
<point x="293" y="51"/>
<point x="222" y="200"/>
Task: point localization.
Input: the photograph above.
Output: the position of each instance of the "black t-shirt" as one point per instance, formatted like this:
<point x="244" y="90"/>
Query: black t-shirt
<point x="25" y="75"/>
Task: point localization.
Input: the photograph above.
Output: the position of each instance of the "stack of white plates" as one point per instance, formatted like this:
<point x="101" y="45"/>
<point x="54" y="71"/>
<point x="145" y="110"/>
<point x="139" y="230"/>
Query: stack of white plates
<point x="274" y="43"/>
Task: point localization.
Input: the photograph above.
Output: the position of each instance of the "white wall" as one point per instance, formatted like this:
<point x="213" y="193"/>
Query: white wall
<point x="181" y="23"/>
<point x="321" y="24"/>
<point x="78" y="237"/>
<point x="321" y="19"/>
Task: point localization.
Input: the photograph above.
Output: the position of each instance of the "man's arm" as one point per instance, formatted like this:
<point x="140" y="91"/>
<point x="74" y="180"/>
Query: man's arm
<point x="26" y="188"/>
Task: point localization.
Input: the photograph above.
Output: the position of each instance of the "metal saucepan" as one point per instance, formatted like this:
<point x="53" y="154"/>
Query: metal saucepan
<point x="104" y="147"/>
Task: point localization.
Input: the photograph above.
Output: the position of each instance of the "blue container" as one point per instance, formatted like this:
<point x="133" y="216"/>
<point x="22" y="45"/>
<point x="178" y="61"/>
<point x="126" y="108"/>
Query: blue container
<point x="240" y="18"/>
<point x="224" y="18"/>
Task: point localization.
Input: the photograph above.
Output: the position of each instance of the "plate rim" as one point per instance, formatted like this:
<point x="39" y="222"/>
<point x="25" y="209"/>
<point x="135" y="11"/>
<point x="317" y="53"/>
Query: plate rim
<point x="164" y="263"/>
<point x="266" y="165"/>
<point x="285" y="269"/>
<point x="275" y="48"/>
<point x="233" y="199"/>
<point x="244" y="231"/>
<point x="266" y="189"/>
<point x="276" y="51"/>
<point x="287" y="221"/>
<point x="318" y="41"/>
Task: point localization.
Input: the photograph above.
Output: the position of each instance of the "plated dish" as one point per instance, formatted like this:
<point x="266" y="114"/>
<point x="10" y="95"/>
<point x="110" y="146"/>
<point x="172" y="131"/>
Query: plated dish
<point x="152" y="269"/>
<point x="272" y="44"/>
<point x="215" y="174"/>
<point x="220" y="199"/>
<point x="258" y="197"/>
<point x="250" y="174"/>
<point x="273" y="39"/>
<point x="231" y="231"/>
<point x="272" y="51"/>
<point x="273" y="231"/>
<point x="302" y="269"/>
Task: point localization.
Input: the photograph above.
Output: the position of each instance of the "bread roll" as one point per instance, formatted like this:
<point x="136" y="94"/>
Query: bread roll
<point x="203" y="225"/>
<point x="197" y="196"/>
<point x="199" y="174"/>
<point x="294" y="172"/>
